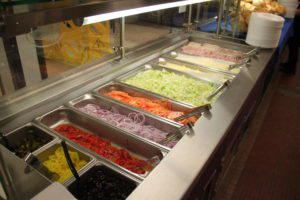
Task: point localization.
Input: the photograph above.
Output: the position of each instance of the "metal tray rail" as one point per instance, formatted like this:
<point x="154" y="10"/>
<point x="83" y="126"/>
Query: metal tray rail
<point x="43" y="154"/>
<point x="96" y="165"/>
<point x="118" y="138"/>
<point x="138" y="92"/>
<point x="171" y="128"/>
<point x="14" y="137"/>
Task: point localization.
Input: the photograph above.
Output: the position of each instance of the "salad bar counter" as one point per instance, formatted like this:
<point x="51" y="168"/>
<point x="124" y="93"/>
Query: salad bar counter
<point x="159" y="124"/>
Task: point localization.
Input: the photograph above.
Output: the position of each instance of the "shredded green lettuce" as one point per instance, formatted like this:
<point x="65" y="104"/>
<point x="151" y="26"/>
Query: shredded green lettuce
<point x="174" y="86"/>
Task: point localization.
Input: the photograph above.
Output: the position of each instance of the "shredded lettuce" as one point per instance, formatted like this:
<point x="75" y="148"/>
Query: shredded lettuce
<point x="174" y="86"/>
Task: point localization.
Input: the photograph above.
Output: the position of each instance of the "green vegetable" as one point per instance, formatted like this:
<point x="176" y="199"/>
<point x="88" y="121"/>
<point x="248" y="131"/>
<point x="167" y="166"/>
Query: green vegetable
<point x="174" y="86"/>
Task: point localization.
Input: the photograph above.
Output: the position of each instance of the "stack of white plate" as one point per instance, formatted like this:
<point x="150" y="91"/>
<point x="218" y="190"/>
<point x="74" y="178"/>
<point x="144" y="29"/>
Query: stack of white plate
<point x="291" y="6"/>
<point x="264" y="30"/>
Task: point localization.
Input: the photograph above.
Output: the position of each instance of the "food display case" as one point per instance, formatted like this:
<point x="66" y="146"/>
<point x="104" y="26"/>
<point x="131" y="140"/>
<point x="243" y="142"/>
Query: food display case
<point x="159" y="120"/>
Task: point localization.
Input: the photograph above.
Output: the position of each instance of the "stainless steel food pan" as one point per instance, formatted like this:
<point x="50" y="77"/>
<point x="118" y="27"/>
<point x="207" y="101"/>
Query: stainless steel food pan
<point x="73" y="187"/>
<point x="43" y="154"/>
<point x="104" y="103"/>
<point x="118" y="138"/>
<point x="16" y="137"/>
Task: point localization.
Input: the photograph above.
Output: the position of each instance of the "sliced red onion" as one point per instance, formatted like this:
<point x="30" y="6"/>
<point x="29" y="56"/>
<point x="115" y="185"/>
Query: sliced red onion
<point x="133" y="123"/>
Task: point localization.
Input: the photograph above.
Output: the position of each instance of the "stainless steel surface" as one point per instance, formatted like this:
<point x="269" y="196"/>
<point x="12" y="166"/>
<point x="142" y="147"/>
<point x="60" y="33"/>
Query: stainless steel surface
<point x="189" y="22"/>
<point x="23" y="183"/>
<point x="184" y="164"/>
<point x="118" y="138"/>
<point x="104" y="103"/>
<point x="15" y="137"/>
<point x="31" y="160"/>
<point x="43" y="154"/>
<point x="222" y="43"/>
<point x="200" y="68"/>
<point x="179" y="170"/>
<point x="194" y="65"/>
<point x="218" y="90"/>
<point x="195" y="112"/>
<point x="122" y="37"/>
<point x="244" y="62"/>
<point x="197" y="21"/>
<point x="138" y="92"/>
<point x="161" y="66"/>
<point x="191" y="75"/>
<point x="253" y="52"/>
<point x="6" y="183"/>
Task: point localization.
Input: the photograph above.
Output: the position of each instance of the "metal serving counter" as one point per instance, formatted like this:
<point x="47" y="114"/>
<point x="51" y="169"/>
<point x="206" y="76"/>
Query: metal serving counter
<point x="190" y="170"/>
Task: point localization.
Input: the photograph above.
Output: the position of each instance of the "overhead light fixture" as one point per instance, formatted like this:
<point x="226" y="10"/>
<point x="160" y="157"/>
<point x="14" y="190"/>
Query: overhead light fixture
<point x="135" y="11"/>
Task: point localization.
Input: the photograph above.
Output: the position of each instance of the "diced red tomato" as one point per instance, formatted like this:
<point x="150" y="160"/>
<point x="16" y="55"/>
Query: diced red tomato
<point x="104" y="148"/>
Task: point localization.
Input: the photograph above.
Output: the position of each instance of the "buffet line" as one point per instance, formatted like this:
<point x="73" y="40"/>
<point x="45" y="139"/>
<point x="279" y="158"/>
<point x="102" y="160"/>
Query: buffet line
<point x="117" y="133"/>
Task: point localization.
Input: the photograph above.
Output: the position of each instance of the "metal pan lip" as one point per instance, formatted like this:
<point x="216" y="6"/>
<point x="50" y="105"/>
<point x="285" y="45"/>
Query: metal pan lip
<point x="51" y="142"/>
<point x="57" y="143"/>
<point x="194" y="66"/>
<point x="96" y="93"/>
<point x="86" y="97"/>
<point x="89" y="152"/>
<point x="228" y="72"/>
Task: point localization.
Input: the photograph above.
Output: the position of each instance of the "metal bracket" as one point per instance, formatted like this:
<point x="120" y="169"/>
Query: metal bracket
<point x="219" y="89"/>
<point x="189" y="24"/>
<point x="184" y="130"/>
<point x="244" y="62"/>
<point x="220" y="16"/>
<point x="120" y="50"/>
<point x="195" y="111"/>
<point x="191" y="129"/>
<point x="253" y="52"/>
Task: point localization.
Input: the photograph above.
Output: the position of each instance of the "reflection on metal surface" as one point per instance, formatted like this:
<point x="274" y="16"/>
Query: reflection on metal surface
<point x="19" y="180"/>
<point x="244" y="62"/>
